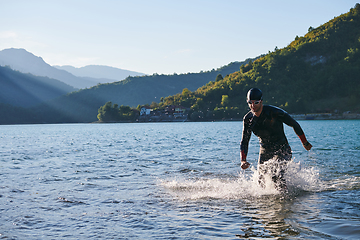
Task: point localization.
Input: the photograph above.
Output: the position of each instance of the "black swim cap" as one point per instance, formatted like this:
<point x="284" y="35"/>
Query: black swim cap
<point x="254" y="94"/>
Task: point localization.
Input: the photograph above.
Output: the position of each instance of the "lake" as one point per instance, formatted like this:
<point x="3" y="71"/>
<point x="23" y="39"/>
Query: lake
<point x="174" y="181"/>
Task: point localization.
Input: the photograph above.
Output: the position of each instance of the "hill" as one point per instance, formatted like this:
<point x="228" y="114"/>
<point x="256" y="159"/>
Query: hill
<point x="83" y="105"/>
<point x="110" y="74"/>
<point x="319" y="72"/>
<point x="26" y="90"/>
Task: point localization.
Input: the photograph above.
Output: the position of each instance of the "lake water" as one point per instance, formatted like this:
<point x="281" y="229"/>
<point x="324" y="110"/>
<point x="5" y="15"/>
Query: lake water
<point x="174" y="181"/>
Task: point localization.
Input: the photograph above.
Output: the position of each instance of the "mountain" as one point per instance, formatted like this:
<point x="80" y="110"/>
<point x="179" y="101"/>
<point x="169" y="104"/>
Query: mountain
<point x="83" y="105"/>
<point x="27" y="90"/>
<point x="23" y="61"/>
<point x="109" y="74"/>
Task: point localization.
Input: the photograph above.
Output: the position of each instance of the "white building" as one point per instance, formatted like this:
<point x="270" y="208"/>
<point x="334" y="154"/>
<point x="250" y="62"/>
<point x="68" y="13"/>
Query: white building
<point x="145" y="110"/>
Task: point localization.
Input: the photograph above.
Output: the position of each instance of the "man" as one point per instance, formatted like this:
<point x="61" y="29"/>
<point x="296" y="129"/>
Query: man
<point x="266" y="122"/>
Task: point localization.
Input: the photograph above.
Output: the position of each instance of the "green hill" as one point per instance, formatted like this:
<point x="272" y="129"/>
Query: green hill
<point x="319" y="72"/>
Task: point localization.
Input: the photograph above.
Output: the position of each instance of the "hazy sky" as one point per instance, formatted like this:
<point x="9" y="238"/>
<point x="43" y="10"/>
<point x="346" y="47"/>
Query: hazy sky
<point x="158" y="36"/>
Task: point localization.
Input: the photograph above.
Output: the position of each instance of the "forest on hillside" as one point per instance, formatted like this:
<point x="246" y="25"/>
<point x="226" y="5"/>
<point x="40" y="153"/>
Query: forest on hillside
<point x="316" y="73"/>
<point x="319" y="72"/>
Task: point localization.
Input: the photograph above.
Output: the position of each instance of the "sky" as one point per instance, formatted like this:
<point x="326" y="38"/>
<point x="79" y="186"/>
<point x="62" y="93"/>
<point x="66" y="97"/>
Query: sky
<point x="159" y="36"/>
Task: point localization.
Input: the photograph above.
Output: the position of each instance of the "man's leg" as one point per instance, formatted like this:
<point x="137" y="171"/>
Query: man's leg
<point x="276" y="170"/>
<point x="283" y="157"/>
<point x="264" y="156"/>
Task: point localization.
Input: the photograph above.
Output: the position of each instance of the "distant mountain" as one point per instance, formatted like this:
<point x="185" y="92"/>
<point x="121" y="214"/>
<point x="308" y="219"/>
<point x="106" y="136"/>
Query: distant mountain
<point x="109" y="74"/>
<point x="26" y="90"/>
<point x="23" y="61"/>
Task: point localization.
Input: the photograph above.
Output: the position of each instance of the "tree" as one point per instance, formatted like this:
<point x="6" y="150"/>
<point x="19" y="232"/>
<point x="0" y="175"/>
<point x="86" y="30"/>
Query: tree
<point x="113" y="113"/>
<point x="108" y="112"/>
<point x="186" y="92"/>
<point x="154" y="105"/>
<point x="225" y="100"/>
<point x="219" y="77"/>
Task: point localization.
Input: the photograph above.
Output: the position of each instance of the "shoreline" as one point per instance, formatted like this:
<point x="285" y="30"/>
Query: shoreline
<point x="326" y="116"/>
<point x="310" y="116"/>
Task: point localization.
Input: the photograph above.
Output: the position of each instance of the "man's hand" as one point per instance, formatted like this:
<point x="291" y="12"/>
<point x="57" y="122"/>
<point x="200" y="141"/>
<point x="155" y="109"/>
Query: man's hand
<point x="307" y="145"/>
<point x="244" y="164"/>
<point x="305" y="142"/>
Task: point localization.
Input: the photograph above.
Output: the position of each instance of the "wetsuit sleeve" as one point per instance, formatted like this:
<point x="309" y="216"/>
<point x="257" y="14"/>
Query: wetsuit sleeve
<point x="288" y="120"/>
<point x="246" y="134"/>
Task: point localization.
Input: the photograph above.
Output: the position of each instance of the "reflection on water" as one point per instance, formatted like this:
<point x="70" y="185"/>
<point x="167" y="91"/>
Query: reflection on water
<point x="267" y="216"/>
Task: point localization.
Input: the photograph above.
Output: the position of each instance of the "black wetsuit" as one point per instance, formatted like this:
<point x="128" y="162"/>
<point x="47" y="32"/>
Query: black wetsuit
<point x="269" y="128"/>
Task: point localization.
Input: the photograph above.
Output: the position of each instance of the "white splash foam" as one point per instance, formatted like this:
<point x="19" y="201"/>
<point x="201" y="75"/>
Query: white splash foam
<point x="243" y="186"/>
<point x="303" y="178"/>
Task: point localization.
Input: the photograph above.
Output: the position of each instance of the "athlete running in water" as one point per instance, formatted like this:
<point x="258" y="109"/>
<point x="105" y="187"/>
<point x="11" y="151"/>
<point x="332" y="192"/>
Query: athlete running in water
<point x="266" y="122"/>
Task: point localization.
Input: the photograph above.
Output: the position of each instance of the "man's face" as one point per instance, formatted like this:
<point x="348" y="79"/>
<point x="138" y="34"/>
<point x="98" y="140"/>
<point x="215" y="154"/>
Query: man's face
<point x="255" y="105"/>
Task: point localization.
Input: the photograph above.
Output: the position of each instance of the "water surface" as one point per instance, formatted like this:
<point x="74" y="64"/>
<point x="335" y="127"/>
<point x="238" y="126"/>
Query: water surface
<point x="174" y="181"/>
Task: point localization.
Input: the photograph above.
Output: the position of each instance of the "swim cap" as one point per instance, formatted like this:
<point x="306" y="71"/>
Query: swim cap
<point x="254" y="94"/>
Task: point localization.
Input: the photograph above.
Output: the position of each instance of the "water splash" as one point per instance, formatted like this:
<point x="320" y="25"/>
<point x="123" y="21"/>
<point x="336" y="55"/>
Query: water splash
<point x="243" y="186"/>
<point x="303" y="178"/>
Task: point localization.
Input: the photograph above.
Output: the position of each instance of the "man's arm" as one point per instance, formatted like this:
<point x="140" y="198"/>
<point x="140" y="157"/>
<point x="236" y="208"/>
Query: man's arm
<point x="305" y="142"/>
<point x="246" y="134"/>
<point x="288" y="120"/>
